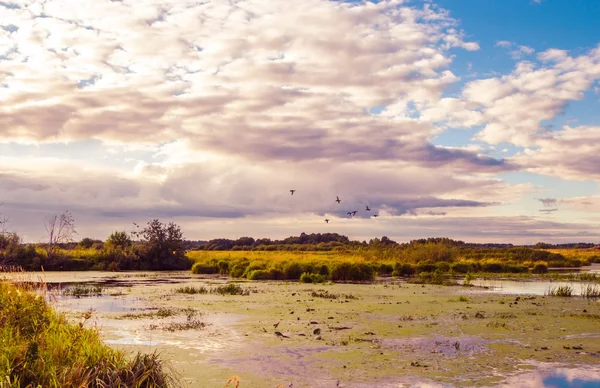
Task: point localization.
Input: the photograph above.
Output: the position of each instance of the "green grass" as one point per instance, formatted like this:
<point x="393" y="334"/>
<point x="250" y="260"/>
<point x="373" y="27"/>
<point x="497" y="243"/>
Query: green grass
<point x="39" y="347"/>
<point x="230" y="289"/>
<point x="590" y="291"/>
<point x="191" y="290"/>
<point x="562" y="291"/>
<point x="81" y="290"/>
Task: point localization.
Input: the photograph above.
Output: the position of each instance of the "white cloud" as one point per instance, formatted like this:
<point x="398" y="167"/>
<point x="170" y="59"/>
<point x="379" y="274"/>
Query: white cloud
<point x="213" y="111"/>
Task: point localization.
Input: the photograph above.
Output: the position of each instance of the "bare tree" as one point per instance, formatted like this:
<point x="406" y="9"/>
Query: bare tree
<point x="3" y="223"/>
<point x="61" y="229"/>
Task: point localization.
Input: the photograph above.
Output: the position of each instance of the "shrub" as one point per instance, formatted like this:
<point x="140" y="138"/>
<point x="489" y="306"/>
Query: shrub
<point x="352" y="272"/>
<point x="312" y="278"/>
<point x="492" y="266"/>
<point x="426" y="267"/>
<point x="462" y="267"/>
<point x="205" y="268"/>
<point x="404" y="269"/>
<point x="324" y="270"/>
<point x="385" y="269"/>
<point x="293" y="271"/>
<point x="223" y="267"/>
<point x="540" y="267"/>
<point x="264" y="274"/>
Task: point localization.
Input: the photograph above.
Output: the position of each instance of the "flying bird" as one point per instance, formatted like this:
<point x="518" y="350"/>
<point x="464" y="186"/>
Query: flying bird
<point x="292" y="191"/>
<point x="326" y="220"/>
<point x="349" y="213"/>
<point x="354" y="212"/>
<point x="368" y="209"/>
<point x="338" y="200"/>
<point x="375" y="215"/>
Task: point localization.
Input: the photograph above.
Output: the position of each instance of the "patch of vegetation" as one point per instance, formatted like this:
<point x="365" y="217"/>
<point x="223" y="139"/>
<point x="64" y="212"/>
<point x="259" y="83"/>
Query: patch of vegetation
<point x="562" y="291"/>
<point x="312" y="278"/>
<point x="230" y="289"/>
<point x="191" y="290"/>
<point x="327" y="295"/>
<point x="39" y="347"/>
<point x="82" y="290"/>
<point x="590" y="291"/>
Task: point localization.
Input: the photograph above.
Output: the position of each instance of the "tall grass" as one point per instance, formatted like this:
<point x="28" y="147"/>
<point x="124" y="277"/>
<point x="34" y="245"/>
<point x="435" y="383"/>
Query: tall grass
<point x="39" y="347"/>
<point x="590" y="291"/>
<point x="562" y="291"/>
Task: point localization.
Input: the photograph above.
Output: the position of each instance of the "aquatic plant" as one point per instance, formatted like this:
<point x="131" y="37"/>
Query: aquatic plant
<point x="191" y="290"/>
<point x="80" y="290"/>
<point x="230" y="289"/>
<point x="562" y="291"/>
<point x="590" y="291"/>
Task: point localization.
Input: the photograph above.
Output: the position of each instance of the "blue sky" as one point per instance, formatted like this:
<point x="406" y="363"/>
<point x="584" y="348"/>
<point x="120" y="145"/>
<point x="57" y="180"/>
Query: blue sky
<point x="468" y="119"/>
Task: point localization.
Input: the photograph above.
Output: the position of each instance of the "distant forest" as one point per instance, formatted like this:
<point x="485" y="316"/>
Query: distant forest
<point x="329" y="241"/>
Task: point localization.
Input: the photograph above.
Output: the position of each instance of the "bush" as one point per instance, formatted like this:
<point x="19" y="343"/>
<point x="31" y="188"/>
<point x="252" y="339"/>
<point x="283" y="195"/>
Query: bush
<point x="264" y="274"/>
<point x="385" y="269"/>
<point x="205" y="268"/>
<point x="312" y="278"/>
<point x="540" y="267"/>
<point x="293" y="271"/>
<point x="404" y="269"/>
<point x="426" y="267"/>
<point x="492" y="266"/>
<point x="352" y="272"/>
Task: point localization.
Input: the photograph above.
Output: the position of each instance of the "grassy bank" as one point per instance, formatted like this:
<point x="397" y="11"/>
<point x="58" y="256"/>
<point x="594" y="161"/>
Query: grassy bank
<point x="38" y="347"/>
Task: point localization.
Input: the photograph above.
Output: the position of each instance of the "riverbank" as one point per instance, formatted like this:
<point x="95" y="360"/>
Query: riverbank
<point x="39" y="347"/>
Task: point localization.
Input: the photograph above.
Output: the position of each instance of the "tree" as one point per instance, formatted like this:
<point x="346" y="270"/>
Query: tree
<point x="60" y="229"/>
<point x="162" y="246"/>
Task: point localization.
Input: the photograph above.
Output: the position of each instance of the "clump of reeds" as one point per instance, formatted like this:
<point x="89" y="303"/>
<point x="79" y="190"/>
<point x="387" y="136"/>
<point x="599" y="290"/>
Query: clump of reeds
<point x="590" y="291"/>
<point x="80" y="290"/>
<point x="230" y="289"/>
<point x="39" y="347"/>
<point x="191" y="290"/>
<point x="562" y="291"/>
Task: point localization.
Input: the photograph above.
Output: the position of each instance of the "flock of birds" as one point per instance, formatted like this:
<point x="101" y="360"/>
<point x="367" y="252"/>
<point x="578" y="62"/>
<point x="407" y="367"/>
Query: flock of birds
<point x="339" y="201"/>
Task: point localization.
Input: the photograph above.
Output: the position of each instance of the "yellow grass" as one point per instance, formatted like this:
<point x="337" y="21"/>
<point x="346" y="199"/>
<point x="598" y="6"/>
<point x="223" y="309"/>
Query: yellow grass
<point x="583" y="254"/>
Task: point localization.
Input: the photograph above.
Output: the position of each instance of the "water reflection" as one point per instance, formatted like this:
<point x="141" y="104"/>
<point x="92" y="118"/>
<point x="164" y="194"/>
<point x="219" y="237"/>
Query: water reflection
<point x="532" y="287"/>
<point x="558" y="378"/>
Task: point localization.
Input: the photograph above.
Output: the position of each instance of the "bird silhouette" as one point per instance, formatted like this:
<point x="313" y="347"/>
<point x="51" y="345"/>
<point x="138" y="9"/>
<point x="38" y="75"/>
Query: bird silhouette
<point x="354" y="212"/>
<point x="276" y="324"/>
<point x="349" y="213"/>
<point x="368" y="209"/>
<point x="292" y="191"/>
<point x="326" y="220"/>
<point x="338" y="200"/>
<point x="375" y="215"/>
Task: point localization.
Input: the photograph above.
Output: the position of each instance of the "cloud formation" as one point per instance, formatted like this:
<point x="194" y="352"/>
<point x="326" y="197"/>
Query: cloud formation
<point x="213" y="111"/>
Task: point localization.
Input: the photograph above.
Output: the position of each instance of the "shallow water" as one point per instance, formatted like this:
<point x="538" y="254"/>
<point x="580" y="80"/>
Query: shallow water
<point x="239" y="334"/>
<point x="556" y="378"/>
<point x="525" y="287"/>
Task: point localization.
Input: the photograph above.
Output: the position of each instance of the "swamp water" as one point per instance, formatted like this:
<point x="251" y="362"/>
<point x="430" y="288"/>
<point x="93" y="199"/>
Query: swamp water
<point x="344" y="335"/>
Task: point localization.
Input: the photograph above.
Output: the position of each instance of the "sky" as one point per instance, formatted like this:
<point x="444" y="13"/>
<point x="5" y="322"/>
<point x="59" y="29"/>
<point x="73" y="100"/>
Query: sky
<point x="469" y="119"/>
